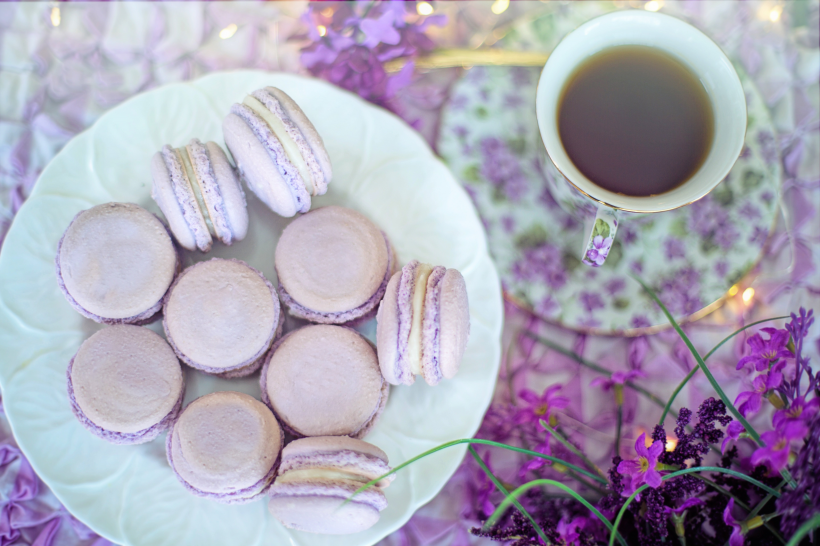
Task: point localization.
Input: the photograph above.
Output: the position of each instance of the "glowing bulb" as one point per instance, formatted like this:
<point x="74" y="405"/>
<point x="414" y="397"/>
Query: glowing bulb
<point x="748" y="294"/>
<point x="774" y="15"/>
<point x="322" y="30"/>
<point x="55" y="16"/>
<point x="424" y="8"/>
<point x="500" y="6"/>
<point x="671" y="444"/>
<point x="654" y="5"/>
<point x="228" y="31"/>
<point x="327" y="12"/>
<point x="733" y="290"/>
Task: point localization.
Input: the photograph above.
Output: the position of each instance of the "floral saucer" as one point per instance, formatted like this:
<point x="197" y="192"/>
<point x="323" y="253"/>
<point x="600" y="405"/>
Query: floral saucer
<point x="690" y="256"/>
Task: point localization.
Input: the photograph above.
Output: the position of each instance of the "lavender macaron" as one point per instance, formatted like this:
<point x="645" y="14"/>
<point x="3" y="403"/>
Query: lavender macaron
<point x="423" y="324"/>
<point x="333" y="266"/>
<point x="318" y="474"/>
<point x="221" y="316"/>
<point x="277" y="150"/>
<point x="225" y="446"/>
<point x="324" y="380"/>
<point x="125" y="384"/>
<point x="115" y="263"/>
<point x="198" y="191"/>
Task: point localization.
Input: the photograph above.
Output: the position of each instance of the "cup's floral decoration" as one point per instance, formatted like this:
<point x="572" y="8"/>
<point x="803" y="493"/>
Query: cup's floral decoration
<point x="350" y="42"/>
<point x="715" y="481"/>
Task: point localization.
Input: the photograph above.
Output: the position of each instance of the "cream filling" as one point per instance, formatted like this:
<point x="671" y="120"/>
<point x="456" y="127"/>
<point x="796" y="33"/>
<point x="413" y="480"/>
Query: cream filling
<point x="291" y="149"/>
<point x="193" y="183"/>
<point x="414" y="342"/>
<point x="320" y="474"/>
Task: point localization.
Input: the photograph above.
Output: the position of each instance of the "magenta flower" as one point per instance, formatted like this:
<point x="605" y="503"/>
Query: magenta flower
<point x="737" y="529"/>
<point x="766" y="352"/>
<point x="540" y="407"/>
<point x="642" y="469"/>
<point x="796" y="416"/>
<point x="776" y="451"/>
<point x="537" y="462"/>
<point x="733" y="432"/>
<point x="598" y="250"/>
<point x="748" y="402"/>
<point x="617" y="378"/>
<point x="689" y="503"/>
<point x="569" y="531"/>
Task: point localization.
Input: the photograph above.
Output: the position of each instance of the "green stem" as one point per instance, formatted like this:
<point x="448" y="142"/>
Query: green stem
<point x="506" y="494"/>
<point x="804" y="530"/>
<point x="756" y="510"/>
<point x="705" y="358"/>
<point x="537" y="483"/>
<point x="566" y="443"/>
<point x="692" y="470"/>
<point x="618" y="424"/>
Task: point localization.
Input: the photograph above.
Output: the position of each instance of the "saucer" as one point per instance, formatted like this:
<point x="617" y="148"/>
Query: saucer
<point x="690" y="256"/>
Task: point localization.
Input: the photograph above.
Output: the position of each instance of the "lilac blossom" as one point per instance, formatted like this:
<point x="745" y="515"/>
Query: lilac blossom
<point x="542" y="263"/>
<point x="568" y="530"/>
<point x="733" y="432"/>
<point x="748" y="402"/>
<point x="684" y="506"/>
<point x="617" y="378"/>
<point x="540" y="407"/>
<point x="737" y="529"/>
<point x="502" y="169"/>
<point x="599" y="250"/>
<point x="642" y="469"/>
<point x="792" y="504"/>
<point x="795" y="417"/>
<point x="681" y="292"/>
<point x="674" y="248"/>
<point x="766" y="352"/>
<point x="591" y="301"/>
<point x="537" y="462"/>
<point x="777" y="449"/>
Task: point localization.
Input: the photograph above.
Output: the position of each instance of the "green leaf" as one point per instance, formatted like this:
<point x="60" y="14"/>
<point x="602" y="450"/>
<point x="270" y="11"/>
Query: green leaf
<point x="679" y="228"/>
<point x="517" y="145"/>
<point x="533" y="236"/>
<point x="601" y="228"/>
<point x="615" y="254"/>
<point x="751" y="180"/>
<point x="472" y="173"/>
<point x="481" y="112"/>
<point x="723" y="194"/>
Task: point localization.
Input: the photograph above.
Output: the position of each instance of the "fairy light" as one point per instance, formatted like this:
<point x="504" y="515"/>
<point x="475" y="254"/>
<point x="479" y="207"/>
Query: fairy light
<point x="424" y="8"/>
<point x="321" y="29"/>
<point x="55" y="16"/>
<point x="654" y="5"/>
<point x="671" y="444"/>
<point x="774" y="14"/>
<point x="500" y="6"/>
<point x="734" y="290"/>
<point x="748" y="294"/>
<point x="327" y="12"/>
<point x="228" y="31"/>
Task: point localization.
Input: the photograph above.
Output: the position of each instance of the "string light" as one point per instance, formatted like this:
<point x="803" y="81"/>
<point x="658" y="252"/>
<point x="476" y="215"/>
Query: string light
<point x="55" y="16"/>
<point x="322" y="30"/>
<point x="500" y="6"/>
<point x="774" y="15"/>
<point x="654" y="5"/>
<point x="671" y="444"/>
<point x="733" y="290"/>
<point x="748" y="294"/>
<point x="424" y="8"/>
<point x="327" y="12"/>
<point x="228" y="31"/>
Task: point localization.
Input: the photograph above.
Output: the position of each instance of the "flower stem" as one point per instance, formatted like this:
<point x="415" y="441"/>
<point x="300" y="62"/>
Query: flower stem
<point x="566" y="443"/>
<point x="618" y="425"/>
<point x="804" y="530"/>
<point x="506" y="494"/>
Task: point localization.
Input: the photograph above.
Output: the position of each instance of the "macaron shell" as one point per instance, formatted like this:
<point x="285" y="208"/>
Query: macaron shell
<point x="163" y="194"/>
<point x="454" y="322"/>
<point x="209" y="190"/>
<point x="235" y="205"/>
<point x="387" y="334"/>
<point x="326" y="444"/>
<point x="184" y="194"/>
<point x="320" y="514"/>
<point x="258" y="168"/>
<point x="431" y="331"/>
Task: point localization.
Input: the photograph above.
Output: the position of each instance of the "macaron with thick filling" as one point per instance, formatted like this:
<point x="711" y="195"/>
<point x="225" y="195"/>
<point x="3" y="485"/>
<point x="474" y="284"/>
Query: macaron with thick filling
<point x="125" y="384"/>
<point x="221" y="316"/>
<point x="333" y="266"/>
<point x="199" y="193"/>
<point x="423" y="324"/>
<point x="115" y="263"/>
<point x="324" y="380"/>
<point x="316" y="477"/>
<point x="277" y="150"/>
<point x="225" y="447"/>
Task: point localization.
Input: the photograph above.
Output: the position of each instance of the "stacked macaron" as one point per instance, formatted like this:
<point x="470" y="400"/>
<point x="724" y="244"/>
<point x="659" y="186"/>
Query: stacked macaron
<point x="198" y="191"/>
<point x="317" y="476"/>
<point x="278" y="151"/>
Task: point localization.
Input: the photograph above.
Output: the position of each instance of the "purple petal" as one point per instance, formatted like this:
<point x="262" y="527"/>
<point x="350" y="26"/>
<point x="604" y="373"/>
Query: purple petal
<point x="628" y="467"/>
<point x="655" y="450"/>
<point x="653" y="478"/>
<point x="640" y="446"/>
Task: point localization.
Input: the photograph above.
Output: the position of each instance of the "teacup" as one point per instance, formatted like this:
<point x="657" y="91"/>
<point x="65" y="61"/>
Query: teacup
<point x="683" y="42"/>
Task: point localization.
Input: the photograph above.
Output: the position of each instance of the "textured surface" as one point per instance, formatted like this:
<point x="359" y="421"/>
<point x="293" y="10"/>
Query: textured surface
<point x="128" y="493"/>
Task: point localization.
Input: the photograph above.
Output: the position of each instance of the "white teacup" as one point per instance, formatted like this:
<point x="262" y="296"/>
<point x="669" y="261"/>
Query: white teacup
<point x="682" y="41"/>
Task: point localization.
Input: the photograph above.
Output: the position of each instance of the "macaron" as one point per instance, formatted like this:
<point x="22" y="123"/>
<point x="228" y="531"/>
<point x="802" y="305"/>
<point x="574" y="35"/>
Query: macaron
<point x="221" y="316"/>
<point x="115" y="263"/>
<point x="333" y="266"/>
<point x="277" y="150"/>
<point x="324" y="380"/>
<point x="125" y="384"/>
<point x="423" y="324"/>
<point x="198" y="191"/>
<point x="225" y="447"/>
<point x="318" y="474"/>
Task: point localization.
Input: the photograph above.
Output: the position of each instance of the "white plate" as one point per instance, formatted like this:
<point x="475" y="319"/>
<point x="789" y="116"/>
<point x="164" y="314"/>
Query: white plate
<point x="381" y="167"/>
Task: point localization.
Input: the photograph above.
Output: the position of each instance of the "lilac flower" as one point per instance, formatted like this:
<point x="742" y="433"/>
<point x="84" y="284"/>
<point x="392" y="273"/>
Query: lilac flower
<point x="748" y="402"/>
<point x="642" y="469"/>
<point x="568" y="530"/>
<point x="681" y="292"/>
<point x="541" y="264"/>
<point x="600" y="247"/>
<point x="540" y="407"/>
<point x="792" y="505"/>
<point x="722" y="268"/>
<point x="737" y="529"/>
<point x="689" y="503"/>
<point x="777" y="448"/>
<point x="615" y="286"/>
<point x="796" y="416"/>
<point x="766" y="352"/>
<point x="617" y="378"/>
<point x="591" y="301"/>
<point x="502" y="169"/>
<point x="674" y="248"/>
<point x="537" y="462"/>
<point x="733" y="432"/>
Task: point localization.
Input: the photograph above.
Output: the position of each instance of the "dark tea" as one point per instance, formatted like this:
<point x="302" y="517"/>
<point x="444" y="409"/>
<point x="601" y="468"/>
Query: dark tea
<point x="635" y="120"/>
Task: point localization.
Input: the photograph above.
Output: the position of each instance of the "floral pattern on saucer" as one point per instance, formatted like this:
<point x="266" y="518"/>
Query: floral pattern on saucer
<point x="691" y="256"/>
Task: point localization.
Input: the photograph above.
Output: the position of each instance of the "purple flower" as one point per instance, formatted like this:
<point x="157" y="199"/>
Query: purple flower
<point x="617" y="378"/>
<point x="777" y="449"/>
<point x="540" y="407"/>
<point x="796" y="416"/>
<point x="598" y="251"/>
<point x="733" y="432"/>
<point x="591" y="301"/>
<point x="766" y="352"/>
<point x="502" y="169"/>
<point x="737" y="530"/>
<point x="569" y="530"/>
<point x="537" y="462"/>
<point x="380" y="30"/>
<point x="615" y="286"/>
<point x="748" y="402"/>
<point x="681" y="292"/>
<point x="642" y="469"/>
<point x="674" y="248"/>
<point x="541" y="264"/>
<point x="722" y="267"/>
<point x="689" y="503"/>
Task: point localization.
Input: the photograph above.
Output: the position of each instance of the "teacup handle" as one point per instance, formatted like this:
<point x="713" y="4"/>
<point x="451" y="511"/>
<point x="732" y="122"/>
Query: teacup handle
<point x="601" y="236"/>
